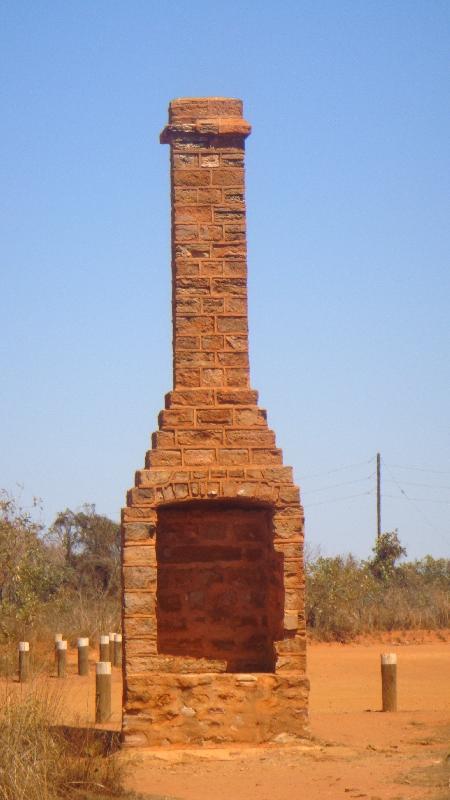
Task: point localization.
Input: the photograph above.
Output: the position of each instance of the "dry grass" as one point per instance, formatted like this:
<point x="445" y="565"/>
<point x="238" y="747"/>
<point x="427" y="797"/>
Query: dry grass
<point x="42" y="760"/>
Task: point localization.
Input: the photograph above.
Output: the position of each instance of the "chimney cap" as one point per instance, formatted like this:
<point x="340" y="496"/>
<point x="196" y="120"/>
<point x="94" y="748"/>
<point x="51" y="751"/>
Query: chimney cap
<point x="205" y="116"/>
<point x="191" y="109"/>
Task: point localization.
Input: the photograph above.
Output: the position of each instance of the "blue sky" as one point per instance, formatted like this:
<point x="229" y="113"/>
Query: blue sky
<point x="347" y="193"/>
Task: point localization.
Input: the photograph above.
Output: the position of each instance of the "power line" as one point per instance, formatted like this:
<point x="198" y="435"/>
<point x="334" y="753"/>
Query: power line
<point x="339" y="499"/>
<point x="337" y="485"/>
<point x="413" y="503"/>
<point x="428" y="485"/>
<point x="336" y="469"/>
<point x="418" y="499"/>
<point x="419" y="469"/>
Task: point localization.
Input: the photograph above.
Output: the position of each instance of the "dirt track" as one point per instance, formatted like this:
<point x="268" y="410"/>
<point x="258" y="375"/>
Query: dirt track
<point x="356" y="751"/>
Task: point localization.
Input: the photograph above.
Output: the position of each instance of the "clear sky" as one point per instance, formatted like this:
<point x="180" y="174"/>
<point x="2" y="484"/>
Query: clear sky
<point x="347" y="193"/>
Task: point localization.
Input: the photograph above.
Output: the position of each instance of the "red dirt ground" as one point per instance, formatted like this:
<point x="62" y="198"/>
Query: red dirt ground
<point x="355" y="752"/>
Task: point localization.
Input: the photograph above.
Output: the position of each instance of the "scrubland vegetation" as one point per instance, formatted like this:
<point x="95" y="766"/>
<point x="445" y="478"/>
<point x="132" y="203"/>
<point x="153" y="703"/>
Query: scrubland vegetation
<point x="64" y="578"/>
<point x="347" y="597"/>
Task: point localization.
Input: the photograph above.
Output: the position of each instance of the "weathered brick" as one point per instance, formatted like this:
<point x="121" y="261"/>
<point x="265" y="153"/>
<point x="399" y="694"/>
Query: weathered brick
<point x="233" y="456"/>
<point x="212" y="305"/>
<point x="236" y="305"/>
<point x="210" y="160"/>
<point x="194" y="324"/>
<point x="228" y="324"/>
<point x="186" y="250"/>
<point x="185" y="160"/>
<point x="176" y="417"/>
<point x="212" y="377"/>
<point x="234" y="233"/>
<point x="186" y="233"/>
<point x="188" y="342"/>
<point x="200" y="438"/>
<point x="187" y="377"/>
<point x="195" y="397"/>
<point x="214" y="416"/>
<point x="198" y="358"/>
<point x="236" y="342"/>
<point x="227" y="250"/>
<point x="194" y="213"/>
<point x="140" y="577"/>
<point x="266" y="456"/>
<point x="213" y="233"/>
<point x="209" y="195"/>
<point x="252" y="438"/>
<point x="227" y="214"/>
<point x="228" y="177"/>
<point x="163" y="439"/>
<point x="229" y="286"/>
<point x="239" y="359"/>
<point x="247" y="417"/>
<point x="194" y="285"/>
<point x="236" y="377"/>
<point x="163" y="458"/>
<point x="185" y="195"/>
<point x="214" y="342"/>
<point x="199" y="456"/>
<point x="191" y="177"/>
<point x="243" y="397"/>
<point x="138" y="531"/>
<point x="139" y="554"/>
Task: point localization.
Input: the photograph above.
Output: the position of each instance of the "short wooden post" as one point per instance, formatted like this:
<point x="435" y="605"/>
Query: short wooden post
<point x="24" y="661"/>
<point x="61" y="651"/>
<point x="389" y="681"/>
<point x="111" y="647"/>
<point x="83" y="656"/>
<point x="102" y="691"/>
<point x="58" y="638"/>
<point x="117" y="649"/>
<point x="104" y="648"/>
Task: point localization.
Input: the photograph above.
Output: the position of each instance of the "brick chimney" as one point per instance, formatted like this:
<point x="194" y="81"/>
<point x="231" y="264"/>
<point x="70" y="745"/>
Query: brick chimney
<point x="213" y="583"/>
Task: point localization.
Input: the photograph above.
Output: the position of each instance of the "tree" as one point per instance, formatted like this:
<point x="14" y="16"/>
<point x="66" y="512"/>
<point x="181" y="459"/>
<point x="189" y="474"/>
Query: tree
<point x="28" y="576"/>
<point x="90" y="544"/>
<point x="387" y="550"/>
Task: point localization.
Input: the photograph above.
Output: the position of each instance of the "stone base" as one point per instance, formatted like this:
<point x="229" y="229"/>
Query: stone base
<point x="167" y="708"/>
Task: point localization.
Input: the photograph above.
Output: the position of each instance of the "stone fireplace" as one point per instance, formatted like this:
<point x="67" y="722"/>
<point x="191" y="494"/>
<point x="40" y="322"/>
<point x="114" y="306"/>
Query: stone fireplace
<point x="213" y="582"/>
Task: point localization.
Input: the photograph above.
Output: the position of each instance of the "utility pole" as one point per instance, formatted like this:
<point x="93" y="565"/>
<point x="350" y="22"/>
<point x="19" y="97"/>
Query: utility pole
<point x="378" y="496"/>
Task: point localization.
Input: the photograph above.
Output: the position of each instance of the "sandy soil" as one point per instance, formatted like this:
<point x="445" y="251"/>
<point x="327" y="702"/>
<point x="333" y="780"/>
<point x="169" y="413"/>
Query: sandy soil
<point x="356" y="751"/>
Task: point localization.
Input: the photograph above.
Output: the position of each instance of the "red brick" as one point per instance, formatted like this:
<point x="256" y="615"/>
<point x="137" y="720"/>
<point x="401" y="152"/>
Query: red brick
<point x="191" y="177"/>
<point x="228" y="177"/>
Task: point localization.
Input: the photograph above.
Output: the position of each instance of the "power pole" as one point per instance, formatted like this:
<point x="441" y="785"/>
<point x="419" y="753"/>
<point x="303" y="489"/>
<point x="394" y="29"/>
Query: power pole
<point x="378" y="496"/>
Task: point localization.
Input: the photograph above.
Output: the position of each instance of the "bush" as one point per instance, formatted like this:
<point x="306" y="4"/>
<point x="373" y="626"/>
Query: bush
<point x="346" y="597"/>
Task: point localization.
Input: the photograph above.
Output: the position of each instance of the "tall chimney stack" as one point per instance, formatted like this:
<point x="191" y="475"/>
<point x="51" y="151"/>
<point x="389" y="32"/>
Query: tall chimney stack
<point x="213" y="602"/>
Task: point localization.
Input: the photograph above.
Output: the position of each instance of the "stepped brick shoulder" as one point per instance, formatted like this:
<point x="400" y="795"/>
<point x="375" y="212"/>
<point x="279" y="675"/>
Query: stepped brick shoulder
<point x="213" y="597"/>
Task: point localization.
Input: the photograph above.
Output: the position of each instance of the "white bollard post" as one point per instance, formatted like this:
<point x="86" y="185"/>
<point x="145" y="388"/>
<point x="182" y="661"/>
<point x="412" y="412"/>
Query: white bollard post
<point x="102" y="691"/>
<point x="104" y="647"/>
<point x="83" y="656"/>
<point x="389" y="681"/>
<point x="24" y="661"/>
<point x="61" y="651"/>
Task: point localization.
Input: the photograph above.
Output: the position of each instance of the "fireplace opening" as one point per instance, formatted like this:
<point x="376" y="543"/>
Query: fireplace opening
<point x="219" y="584"/>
